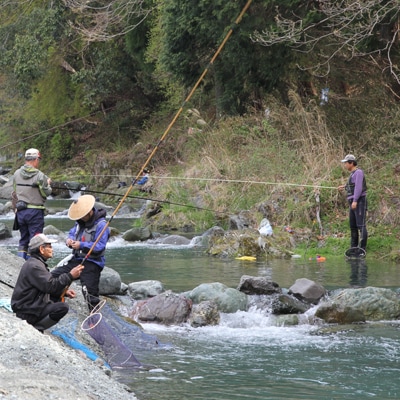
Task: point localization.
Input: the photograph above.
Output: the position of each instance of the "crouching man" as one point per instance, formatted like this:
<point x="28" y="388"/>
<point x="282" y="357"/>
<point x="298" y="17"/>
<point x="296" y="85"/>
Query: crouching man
<point x="35" y="284"/>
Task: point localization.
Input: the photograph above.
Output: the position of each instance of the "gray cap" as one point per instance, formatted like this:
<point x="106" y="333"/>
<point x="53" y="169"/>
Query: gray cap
<point x="39" y="240"/>
<point x="349" y="157"/>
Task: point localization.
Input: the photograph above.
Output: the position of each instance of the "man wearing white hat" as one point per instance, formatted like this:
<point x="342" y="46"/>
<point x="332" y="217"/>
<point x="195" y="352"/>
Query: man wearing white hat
<point x="88" y="235"/>
<point x="31" y="298"/>
<point x="31" y="187"/>
<point x="356" y="190"/>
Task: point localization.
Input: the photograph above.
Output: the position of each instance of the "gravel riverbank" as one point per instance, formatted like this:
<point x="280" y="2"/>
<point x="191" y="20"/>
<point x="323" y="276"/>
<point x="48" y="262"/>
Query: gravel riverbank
<point x="40" y="366"/>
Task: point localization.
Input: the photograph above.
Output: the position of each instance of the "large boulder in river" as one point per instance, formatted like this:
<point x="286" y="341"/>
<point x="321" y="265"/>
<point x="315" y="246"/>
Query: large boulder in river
<point x="5" y="232"/>
<point x="375" y="303"/>
<point x="227" y="299"/>
<point x="166" y="308"/>
<point x="110" y="282"/>
<point x="145" y="289"/>
<point x="258" y="285"/>
<point x="307" y="290"/>
<point x="203" y="314"/>
<point x="339" y="314"/>
<point x="137" y="234"/>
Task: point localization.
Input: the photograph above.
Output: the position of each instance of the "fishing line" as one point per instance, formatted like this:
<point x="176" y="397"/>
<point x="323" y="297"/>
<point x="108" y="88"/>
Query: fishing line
<point x="140" y="198"/>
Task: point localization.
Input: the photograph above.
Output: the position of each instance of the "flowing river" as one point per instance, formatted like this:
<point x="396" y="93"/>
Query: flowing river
<point x="246" y="356"/>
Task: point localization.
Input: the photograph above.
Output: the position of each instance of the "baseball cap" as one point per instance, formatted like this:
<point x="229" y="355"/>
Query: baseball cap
<point x="32" y="154"/>
<point x="39" y="240"/>
<point x="349" y="157"/>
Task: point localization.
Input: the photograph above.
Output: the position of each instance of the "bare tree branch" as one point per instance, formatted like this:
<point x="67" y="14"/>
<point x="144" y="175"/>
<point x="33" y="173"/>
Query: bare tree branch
<point x="102" y="20"/>
<point x="344" y="27"/>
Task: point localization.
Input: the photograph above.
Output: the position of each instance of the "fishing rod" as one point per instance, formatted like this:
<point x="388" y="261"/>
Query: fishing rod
<point x="164" y="135"/>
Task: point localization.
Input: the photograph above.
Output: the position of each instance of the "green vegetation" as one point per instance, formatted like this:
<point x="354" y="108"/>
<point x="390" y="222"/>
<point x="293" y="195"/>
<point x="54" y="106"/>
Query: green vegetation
<point x="95" y="98"/>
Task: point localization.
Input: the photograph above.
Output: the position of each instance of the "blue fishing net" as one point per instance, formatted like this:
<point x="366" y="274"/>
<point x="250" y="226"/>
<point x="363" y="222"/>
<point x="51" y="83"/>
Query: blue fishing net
<point x="118" y="355"/>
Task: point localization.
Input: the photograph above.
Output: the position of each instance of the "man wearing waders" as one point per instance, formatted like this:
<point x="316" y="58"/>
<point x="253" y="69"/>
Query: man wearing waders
<point x="31" y="188"/>
<point x="90" y="222"/>
<point x="356" y="190"/>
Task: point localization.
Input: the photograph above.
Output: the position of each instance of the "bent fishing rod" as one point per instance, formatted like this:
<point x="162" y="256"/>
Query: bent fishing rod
<point x="164" y="135"/>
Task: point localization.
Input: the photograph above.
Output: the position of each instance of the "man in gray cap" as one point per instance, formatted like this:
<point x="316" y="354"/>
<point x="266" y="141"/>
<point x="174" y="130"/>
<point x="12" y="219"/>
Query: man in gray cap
<point x="31" y="188"/>
<point x="35" y="285"/>
<point x="356" y="190"/>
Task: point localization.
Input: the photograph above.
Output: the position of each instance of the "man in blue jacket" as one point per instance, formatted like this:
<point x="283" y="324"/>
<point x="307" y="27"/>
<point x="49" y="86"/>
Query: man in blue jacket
<point x="356" y="190"/>
<point x="88" y="234"/>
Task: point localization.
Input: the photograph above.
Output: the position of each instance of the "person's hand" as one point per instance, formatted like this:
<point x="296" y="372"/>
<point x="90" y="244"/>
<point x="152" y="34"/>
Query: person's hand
<point x="73" y="244"/>
<point x="76" y="271"/>
<point x="70" y="293"/>
<point x="353" y="205"/>
<point x="341" y="187"/>
<point x="49" y="182"/>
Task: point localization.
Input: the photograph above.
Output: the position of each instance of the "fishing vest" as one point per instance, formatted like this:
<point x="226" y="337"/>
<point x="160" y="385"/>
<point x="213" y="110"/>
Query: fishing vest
<point x="350" y="186"/>
<point x="29" y="190"/>
<point x="88" y="234"/>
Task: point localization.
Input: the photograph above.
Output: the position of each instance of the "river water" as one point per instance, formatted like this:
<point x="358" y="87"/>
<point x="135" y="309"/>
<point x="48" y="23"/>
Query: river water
<point x="246" y="356"/>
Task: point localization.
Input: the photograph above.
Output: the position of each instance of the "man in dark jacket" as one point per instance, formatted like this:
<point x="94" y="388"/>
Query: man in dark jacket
<point x="31" y="188"/>
<point x="89" y="234"/>
<point x="35" y="284"/>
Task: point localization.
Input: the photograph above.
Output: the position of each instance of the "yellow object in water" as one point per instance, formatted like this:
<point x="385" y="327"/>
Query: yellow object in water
<point x="247" y="258"/>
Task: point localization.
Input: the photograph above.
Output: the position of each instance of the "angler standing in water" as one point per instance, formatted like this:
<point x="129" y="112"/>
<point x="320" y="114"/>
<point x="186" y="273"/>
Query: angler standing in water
<point x="356" y="190"/>
<point x="31" y="188"/>
<point x="90" y="223"/>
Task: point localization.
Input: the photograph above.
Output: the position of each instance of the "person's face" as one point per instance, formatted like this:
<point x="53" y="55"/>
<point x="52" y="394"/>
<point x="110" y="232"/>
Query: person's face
<point x="348" y="165"/>
<point x="87" y="216"/>
<point x="46" y="250"/>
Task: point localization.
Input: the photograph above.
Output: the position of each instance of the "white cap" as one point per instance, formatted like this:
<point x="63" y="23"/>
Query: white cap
<point x="32" y="154"/>
<point x="349" y="157"/>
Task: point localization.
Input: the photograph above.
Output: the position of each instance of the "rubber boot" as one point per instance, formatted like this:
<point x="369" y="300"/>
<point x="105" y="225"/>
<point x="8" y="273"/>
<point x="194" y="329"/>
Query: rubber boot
<point x="23" y="253"/>
<point x="44" y="323"/>
<point x="354" y="238"/>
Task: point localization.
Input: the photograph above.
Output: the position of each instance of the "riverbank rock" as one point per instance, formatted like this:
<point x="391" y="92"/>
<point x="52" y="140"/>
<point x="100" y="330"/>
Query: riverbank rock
<point x="110" y="282"/>
<point x="375" y="303"/>
<point x="339" y="314"/>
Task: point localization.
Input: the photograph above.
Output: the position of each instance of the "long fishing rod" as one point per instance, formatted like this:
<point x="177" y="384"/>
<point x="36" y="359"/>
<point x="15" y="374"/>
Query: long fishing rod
<point x="164" y="135"/>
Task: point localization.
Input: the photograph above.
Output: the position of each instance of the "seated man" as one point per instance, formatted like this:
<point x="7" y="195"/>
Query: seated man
<point x="35" y="284"/>
<point x="144" y="183"/>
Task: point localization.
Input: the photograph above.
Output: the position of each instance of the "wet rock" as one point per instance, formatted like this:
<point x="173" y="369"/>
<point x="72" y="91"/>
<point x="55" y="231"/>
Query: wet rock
<point x="339" y="314"/>
<point x="4" y="232"/>
<point x="257" y="285"/>
<point x="307" y="290"/>
<point x="227" y="299"/>
<point x="166" y="308"/>
<point x="110" y="282"/>
<point x="375" y="303"/>
<point x="145" y="289"/>
<point x="175" y="240"/>
<point x="203" y="314"/>
<point x="137" y="234"/>
<point x="286" y="304"/>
